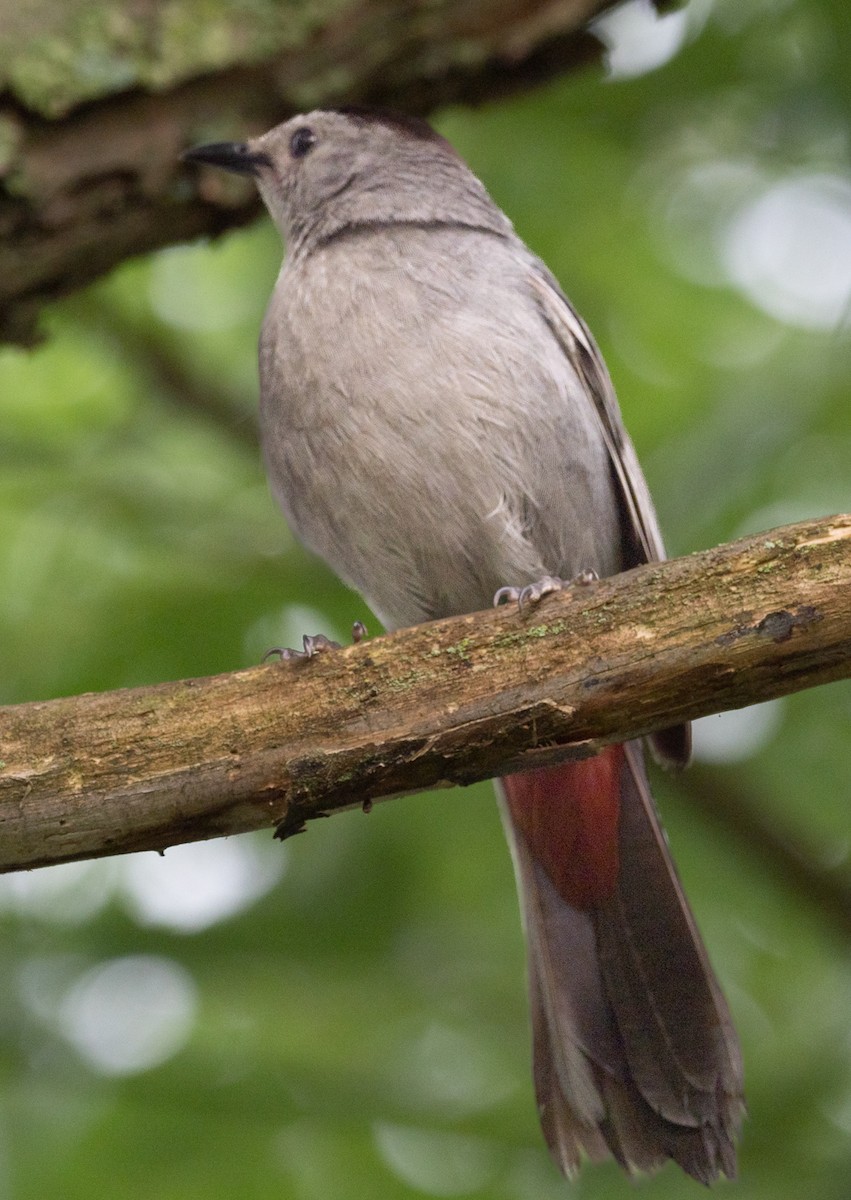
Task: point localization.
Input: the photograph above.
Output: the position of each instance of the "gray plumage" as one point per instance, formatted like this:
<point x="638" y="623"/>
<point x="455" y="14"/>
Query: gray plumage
<point x="437" y="423"/>
<point x="400" y="452"/>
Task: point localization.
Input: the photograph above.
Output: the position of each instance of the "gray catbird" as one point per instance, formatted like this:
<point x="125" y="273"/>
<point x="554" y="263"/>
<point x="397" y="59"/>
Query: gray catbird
<point x="439" y="426"/>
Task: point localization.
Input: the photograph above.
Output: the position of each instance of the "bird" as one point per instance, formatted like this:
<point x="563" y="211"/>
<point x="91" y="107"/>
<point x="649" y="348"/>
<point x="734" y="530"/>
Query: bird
<point x="438" y="424"/>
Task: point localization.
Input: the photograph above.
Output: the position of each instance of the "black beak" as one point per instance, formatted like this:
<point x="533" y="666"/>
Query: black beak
<point x="230" y="156"/>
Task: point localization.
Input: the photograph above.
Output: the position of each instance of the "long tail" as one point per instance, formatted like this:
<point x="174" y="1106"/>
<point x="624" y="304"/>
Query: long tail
<point x="635" y="1054"/>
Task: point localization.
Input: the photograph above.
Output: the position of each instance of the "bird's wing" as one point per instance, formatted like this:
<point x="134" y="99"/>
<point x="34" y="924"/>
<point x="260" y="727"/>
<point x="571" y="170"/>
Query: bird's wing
<point x="580" y="348"/>
<point x="642" y="537"/>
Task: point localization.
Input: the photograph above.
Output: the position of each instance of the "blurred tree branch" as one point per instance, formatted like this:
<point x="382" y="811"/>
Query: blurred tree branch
<point x="94" y="112"/>
<point x="453" y="701"/>
<point x="786" y="851"/>
<point x="166" y="373"/>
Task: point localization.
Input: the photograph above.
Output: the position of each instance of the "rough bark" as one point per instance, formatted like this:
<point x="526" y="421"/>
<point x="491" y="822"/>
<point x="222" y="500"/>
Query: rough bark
<point x="453" y="701"/>
<point x="97" y="101"/>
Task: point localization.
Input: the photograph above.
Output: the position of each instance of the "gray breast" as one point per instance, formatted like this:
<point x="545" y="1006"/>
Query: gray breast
<point x="423" y="431"/>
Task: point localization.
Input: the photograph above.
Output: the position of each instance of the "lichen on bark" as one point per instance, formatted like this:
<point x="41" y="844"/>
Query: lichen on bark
<point x="54" y="57"/>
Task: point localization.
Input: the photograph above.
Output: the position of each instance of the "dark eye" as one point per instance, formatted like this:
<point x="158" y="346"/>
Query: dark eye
<point x="302" y="141"/>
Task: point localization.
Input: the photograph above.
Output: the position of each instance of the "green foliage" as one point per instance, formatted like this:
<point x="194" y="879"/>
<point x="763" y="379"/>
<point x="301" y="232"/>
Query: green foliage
<point x="345" y="1015"/>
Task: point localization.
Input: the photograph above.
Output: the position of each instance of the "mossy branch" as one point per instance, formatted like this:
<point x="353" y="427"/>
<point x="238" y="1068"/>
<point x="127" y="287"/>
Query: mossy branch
<point x="97" y="101"/>
<point x="453" y="701"/>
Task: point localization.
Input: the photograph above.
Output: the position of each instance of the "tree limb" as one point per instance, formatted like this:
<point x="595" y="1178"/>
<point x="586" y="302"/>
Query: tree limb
<point x="787" y="852"/>
<point x="95" y="108"/>
<point x="165" y="373"/>
<point x="452" y="701"/>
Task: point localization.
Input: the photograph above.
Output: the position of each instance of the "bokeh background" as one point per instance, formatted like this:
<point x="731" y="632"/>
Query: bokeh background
<point x="345" y="1015"/>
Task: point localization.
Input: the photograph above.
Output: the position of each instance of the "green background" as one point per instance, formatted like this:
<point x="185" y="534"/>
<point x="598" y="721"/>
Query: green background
<point x="345" y="1015"/>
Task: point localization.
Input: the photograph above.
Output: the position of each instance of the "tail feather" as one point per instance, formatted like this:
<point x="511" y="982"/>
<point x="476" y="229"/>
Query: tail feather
<point x="658" y="973"/>
<point x="567" y="1136"/>
<point x="635" y="1052"/>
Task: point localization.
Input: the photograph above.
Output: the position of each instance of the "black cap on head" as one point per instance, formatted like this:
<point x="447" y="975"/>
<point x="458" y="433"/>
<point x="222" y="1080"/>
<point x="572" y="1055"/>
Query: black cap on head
<point x="414" y="127"/>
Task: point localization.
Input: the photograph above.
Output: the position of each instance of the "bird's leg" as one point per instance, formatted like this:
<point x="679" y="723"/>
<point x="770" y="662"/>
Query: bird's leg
<point x="314" y="644"/>
<point x="533" y="593"/>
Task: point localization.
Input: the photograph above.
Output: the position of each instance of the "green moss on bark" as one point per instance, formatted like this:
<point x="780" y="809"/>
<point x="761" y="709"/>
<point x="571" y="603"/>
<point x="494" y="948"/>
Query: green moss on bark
<point x="56" y="56"/>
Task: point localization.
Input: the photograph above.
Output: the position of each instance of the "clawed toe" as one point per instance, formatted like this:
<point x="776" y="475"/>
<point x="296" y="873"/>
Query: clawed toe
<point x="506" y="595"/>
<point x="533" y="593"/>
<point x="314" y="644"/>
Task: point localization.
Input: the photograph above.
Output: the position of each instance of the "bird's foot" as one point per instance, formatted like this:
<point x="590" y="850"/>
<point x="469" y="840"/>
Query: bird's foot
<point x="533" y="593"/>
<point x="314" y="644"/>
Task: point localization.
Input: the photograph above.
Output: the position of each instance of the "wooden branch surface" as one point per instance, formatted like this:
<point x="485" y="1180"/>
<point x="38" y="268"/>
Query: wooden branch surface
<point x="453" y="701"/>
<point x="89" y="158"/>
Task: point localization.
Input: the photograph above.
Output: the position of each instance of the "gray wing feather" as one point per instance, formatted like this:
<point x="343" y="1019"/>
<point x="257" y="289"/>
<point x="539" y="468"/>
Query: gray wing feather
<point x="643" y="537"/>
<point x="579" y="346"/>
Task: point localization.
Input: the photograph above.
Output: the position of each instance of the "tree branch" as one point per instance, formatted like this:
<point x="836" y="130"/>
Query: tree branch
<point x="453" y="701"/>
<point x="89" y="169"/>
<point x="165" y="373"/>
<point x="787" y="852"/>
